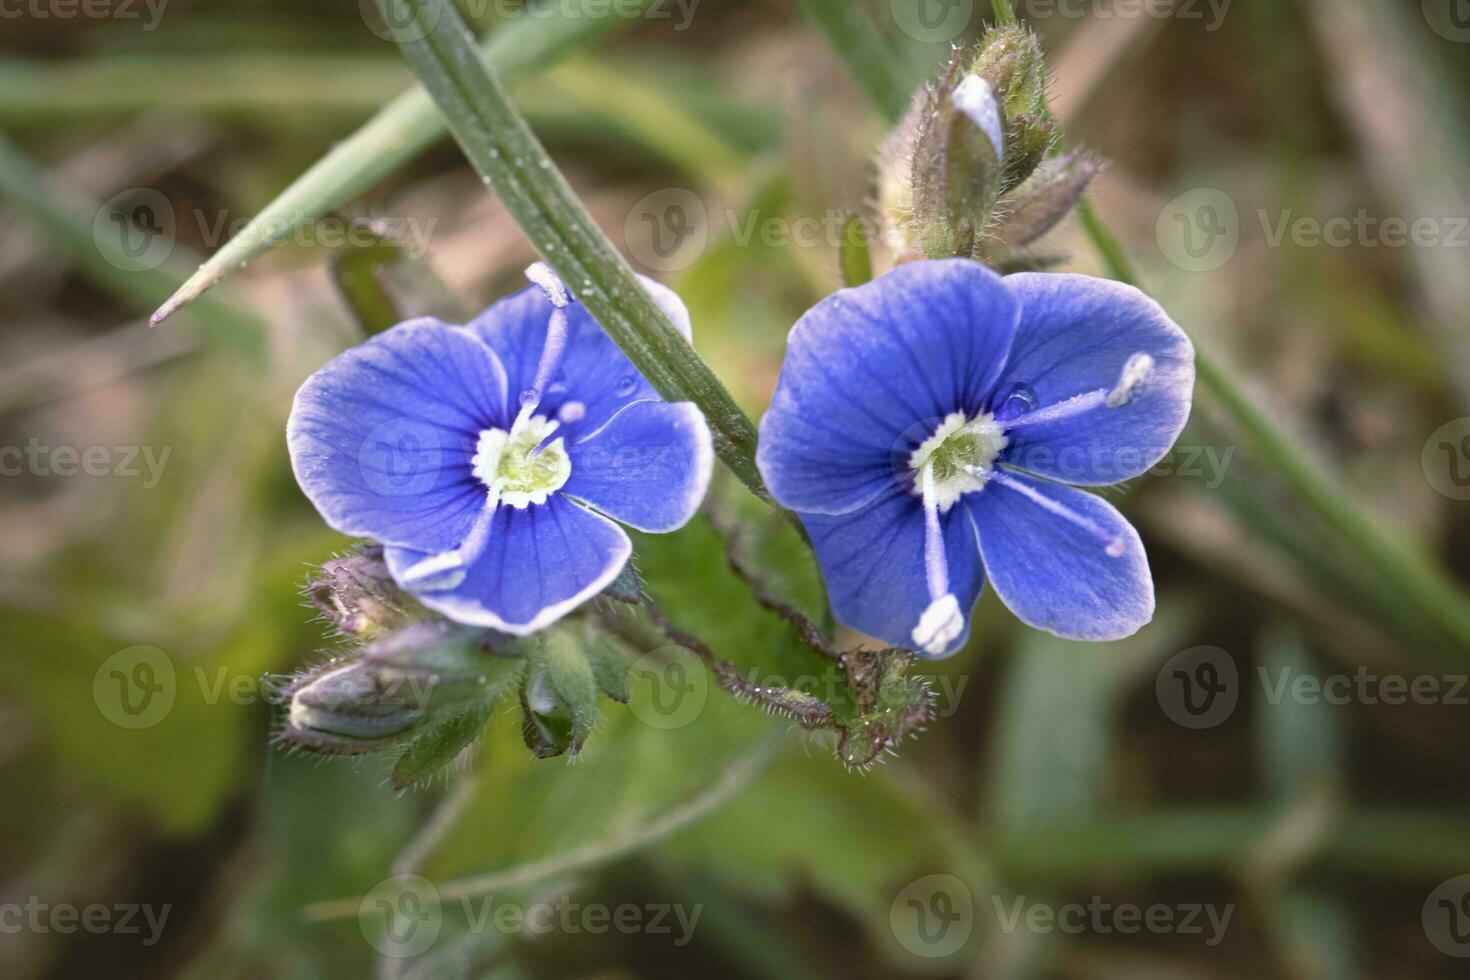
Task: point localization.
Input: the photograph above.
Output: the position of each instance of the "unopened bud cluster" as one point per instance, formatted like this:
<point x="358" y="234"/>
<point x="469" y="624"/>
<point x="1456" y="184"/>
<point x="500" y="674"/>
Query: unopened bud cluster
<point x="967" y="171"/>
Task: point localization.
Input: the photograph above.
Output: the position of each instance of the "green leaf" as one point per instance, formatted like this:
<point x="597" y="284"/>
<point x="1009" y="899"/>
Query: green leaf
<point x="510" y="159"/>
<point x="559" y="696"/>
<point x="440" y="745"/>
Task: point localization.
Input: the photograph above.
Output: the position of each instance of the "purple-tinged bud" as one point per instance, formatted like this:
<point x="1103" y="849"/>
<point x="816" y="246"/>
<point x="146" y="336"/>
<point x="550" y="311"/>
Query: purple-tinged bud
<point x="357" y="595"/>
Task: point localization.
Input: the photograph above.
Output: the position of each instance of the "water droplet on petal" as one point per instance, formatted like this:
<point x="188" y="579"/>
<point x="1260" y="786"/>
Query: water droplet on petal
<point x="626" y="384"/>
<point x="529" y="396"/>
<point x="1015" y="401"/>
<point x="1116" y="547"/>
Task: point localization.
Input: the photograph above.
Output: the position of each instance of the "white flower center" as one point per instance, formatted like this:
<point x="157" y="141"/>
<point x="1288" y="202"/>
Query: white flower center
<point x="521" y="463"/>
<point x="959" y="455"/>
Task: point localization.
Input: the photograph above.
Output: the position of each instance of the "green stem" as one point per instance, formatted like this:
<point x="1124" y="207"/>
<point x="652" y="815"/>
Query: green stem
<point x="507" y="155"/>
<point x="1004" y="12"/>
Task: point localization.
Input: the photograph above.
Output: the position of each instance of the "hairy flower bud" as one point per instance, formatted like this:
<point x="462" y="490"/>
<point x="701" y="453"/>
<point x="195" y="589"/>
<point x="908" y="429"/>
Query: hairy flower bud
<point x="958" y="163"/>
<point x="1041" y="205"/>
<point x="381" y="699"/>
<point x="559" y="696"/>
<point x="357" y="594"/>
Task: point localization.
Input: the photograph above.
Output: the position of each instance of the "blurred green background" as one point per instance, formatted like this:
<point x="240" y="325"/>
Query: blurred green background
<point x="1269" y="781"/>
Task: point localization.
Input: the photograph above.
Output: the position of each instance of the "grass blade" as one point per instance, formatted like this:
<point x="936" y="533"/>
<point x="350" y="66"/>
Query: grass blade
<point x="393" y="137"/>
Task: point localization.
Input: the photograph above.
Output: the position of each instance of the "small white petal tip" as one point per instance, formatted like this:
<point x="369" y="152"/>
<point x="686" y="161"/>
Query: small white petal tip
<point x="976" y="99"/>
<point x="941" y="625"/>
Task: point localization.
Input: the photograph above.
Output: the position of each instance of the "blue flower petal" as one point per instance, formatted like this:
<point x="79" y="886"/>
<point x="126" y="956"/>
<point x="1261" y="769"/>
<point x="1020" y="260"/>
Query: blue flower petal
<point x="873" y="562"/>
<point x="1076" y="335"/>
<point x="870" y="372"/>
<point x="648" y="467"/>
<point x="381" y="437"/>
<point x="595" y="376"/>
<point x="540" y="564"/>
<point x="1056" y="575"/>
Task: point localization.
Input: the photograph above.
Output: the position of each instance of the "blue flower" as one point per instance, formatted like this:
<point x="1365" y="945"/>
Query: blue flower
<point x="931" y="428"/>
<point x="486" y="456"/>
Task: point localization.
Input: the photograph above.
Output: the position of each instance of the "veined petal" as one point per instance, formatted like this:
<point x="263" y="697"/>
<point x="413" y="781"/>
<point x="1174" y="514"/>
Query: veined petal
<point x="648" y="467"/>
<point x="539" y="564"/>
<point x="870" y="372"/>
<point x="873" y="562"/>
<point x="594" y="379"/>
<point x="1063" y="560"/>
<point x="381" y="437"/>
<point x="1079" y="335"/>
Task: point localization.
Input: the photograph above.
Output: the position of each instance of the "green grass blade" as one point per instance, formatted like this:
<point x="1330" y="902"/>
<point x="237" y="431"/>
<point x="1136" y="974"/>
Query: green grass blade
<point x="393" y="137"/>
<point x="869" y="58"/>
<point x="510" y="159"/>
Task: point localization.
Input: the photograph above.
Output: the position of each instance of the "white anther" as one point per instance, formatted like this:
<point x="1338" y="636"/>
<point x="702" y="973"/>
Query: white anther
<point x="1136" y="372"/>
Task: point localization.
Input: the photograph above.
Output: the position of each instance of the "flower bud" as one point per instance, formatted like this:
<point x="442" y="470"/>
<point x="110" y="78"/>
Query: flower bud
<point x="559" y="696"/>
<point x="359" y="597"/>
<point x="1010" y="59"/>
<point x="1040" y="206"/>
<point x="382" y="698"/>
<point x="958" y="161"/>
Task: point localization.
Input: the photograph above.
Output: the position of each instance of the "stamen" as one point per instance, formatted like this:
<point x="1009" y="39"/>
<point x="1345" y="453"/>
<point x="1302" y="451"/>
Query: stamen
<point x="556" y="332"/>
<point x="551" y="427"/>
<point x="1112" y="544"/>
<point x="447" y="569"/>
<point x="936" y="568"/>
<point x="942" y="621"/>
<point x="1137" y="371"/>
